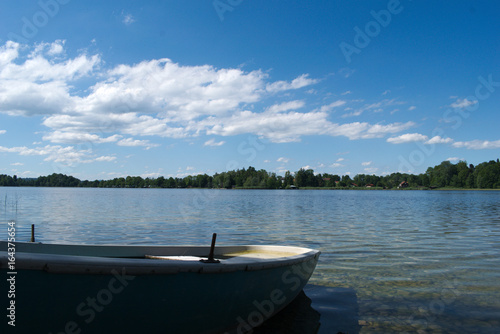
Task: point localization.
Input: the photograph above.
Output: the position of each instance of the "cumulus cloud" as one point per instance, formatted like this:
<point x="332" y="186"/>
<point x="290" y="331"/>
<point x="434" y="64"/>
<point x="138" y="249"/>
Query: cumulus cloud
<point x="462" y="103"/>
<point x="3" y="132"/>
<point x="37" y="84"/>
<point x="374" y="107"/>
<point x="299" y="82"/>
<point x="285" y="106"/>
<point x="365" y="130"/>
<point x="127" y="19"/>
<point x="212" y="142"/>
<point x="283" y="160"/>
<point x="332" y="105"/>
<point x="130" y="142"/>
<point x="417" y="137"/>
<point x="75" y="138"/>
<point x="68" y="156"/>
<point x="105" y="158"/>
<point x="56" y="48"/>
<point x="159" y="98"/>
<point x="407" y="138"/>
<point x="439" y="140"/>
<point x="478" y="144"/>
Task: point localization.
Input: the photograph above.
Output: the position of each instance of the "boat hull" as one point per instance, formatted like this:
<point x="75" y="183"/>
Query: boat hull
<point x="117" y="295"/>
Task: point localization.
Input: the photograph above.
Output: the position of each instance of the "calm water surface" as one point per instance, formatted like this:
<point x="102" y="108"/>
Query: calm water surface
<point x="392" y="261"/>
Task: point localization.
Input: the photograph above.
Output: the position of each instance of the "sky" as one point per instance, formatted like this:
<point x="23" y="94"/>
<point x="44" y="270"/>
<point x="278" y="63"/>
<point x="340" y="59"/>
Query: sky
<point x="105" y="89"/>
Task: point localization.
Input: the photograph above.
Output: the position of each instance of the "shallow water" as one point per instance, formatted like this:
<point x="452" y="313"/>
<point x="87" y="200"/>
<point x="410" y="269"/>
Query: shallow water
<point x="392" y="261"/>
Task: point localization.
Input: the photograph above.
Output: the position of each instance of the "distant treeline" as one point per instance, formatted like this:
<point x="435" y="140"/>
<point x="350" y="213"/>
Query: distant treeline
<point x="461" y="175"/>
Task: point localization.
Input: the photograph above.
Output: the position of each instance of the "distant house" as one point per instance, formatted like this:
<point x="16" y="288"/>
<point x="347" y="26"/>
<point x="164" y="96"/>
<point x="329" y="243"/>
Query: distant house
<point x="403" y="184"/>
<point x="369" y="185"/>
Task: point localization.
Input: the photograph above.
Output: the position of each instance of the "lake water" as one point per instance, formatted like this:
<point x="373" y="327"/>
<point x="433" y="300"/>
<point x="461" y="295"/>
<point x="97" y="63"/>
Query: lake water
<point x="392" y="261"/>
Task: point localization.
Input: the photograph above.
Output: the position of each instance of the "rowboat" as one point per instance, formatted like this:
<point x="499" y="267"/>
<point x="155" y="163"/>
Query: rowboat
<point x="62" y="288"/>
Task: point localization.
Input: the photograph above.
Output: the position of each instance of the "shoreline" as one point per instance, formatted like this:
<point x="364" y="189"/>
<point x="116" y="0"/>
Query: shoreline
<point x="291" y="189"/>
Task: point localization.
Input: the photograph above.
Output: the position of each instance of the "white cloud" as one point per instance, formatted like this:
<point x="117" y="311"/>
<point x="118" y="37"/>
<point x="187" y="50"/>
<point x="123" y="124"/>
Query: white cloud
<point x="367" y="163"/>
<point x="332" y="105"/>
<point x="283" y="159"/>
<point x="375" y="107"/>
<point x="67" y="156"/>
<point x="453" y="159"/>
<point x="159" y="98"/>
<point x="352" y="114"/>
<point x="75" y="138"/>
<point x="407" y="138"/>
<point x="128" y="19"/>
<point x="371" y="170"/>
<point x="439" y="140"/>
<point x="289" y="127"/>
<point x="412" y="108"/>
<point x="462" y="103"/>
<point x="417" y="137"/>
<point x="340" y="159"/>
<point x="285" y="106"/>
<point x="478" y="144"/>
<point x="336" y="165"/>
<point x="212" y="142"/>
<point x="8" y="52"/>
<point x="56" y="48"/>
<point x="3" y="132"/>
<point x="299" y="82"/>
<point x="130" y="142"/>
<point x="40" y="85"/>
<point x="346" y="92"/>
<point x="105" y="159"/>
<point x="365" y="130"/>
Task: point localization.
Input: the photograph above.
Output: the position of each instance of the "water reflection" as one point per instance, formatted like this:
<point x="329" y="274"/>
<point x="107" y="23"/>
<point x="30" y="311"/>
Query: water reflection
<point x="317" y="309"/>
<point x="402" y="252"/>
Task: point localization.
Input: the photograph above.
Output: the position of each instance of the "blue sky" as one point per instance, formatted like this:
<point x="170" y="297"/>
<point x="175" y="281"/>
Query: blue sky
<point x="103" y="89"/>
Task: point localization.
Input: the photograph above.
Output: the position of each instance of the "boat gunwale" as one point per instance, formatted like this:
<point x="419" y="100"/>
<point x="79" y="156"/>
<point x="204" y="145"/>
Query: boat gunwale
<point x="51" y="258"/>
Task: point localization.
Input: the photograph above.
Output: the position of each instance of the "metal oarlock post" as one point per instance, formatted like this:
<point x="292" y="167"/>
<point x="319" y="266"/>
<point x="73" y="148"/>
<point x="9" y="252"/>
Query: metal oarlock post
<point x="211" y="258"/>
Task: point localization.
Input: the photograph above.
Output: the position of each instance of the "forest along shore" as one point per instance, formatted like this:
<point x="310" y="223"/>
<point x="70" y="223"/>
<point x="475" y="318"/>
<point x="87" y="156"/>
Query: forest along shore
<point x="485" y="175"/>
